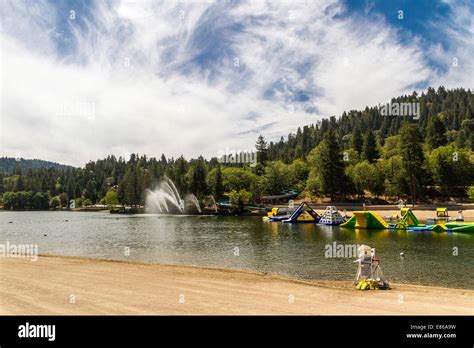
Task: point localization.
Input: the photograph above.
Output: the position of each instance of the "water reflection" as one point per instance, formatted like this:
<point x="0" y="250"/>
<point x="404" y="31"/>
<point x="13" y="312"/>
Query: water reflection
<point x="296" y="250"/>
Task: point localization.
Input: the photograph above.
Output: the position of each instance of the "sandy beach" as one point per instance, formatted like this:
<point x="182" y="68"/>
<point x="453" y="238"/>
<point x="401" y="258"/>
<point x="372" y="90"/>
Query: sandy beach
<point x="69" y="285"/>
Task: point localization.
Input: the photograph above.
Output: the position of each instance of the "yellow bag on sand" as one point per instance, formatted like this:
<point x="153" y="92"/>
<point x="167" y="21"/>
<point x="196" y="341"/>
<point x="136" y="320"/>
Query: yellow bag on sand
<point x="367" y="284"/>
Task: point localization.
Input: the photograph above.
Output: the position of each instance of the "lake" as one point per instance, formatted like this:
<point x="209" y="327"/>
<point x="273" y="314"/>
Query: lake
<point x="295" y="250"/>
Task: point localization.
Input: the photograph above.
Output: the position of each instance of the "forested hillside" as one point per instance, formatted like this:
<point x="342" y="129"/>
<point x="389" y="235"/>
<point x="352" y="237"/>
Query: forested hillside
<point x="357" y="155"/>
<point x="453" y="108"/>
<point x="8" y="165"/>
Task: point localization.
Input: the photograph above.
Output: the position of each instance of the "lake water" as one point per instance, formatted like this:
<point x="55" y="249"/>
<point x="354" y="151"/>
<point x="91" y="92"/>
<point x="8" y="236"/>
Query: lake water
<point x="296" y="250"/>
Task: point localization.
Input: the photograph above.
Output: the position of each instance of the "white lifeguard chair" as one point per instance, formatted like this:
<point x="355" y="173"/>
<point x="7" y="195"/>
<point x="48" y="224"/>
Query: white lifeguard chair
<point x="369" y="269"/>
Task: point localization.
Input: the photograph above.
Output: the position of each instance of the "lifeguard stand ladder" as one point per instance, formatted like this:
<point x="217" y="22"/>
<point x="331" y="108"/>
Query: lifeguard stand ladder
<point x="369" y="267"/>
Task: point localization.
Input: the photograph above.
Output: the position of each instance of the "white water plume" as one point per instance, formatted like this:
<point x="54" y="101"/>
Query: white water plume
<point x="165" y="198"/>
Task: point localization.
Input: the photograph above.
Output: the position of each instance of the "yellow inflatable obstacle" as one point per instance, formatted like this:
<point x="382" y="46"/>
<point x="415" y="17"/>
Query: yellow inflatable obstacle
<point x="365" y="219"/>
<point x="408" y="218"/>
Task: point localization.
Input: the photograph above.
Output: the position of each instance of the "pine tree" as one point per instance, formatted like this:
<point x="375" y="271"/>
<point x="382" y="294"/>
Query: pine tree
<point x="179" y="174"/>
<point x="2" y="185"/>
<point x="331" y="165"/>
<point x="262" y="149"/>
<point x="356" y="140"/>
<point x="370" y="152"/>
<point x="90" y="191"/>
<point x="121" y="192"/>
<point x="435" y="133"/>
<point x="218" y="188"/>
<point x="70" y="189"/>
<point x="197" y="183"/>
<point x="19" y="184"/>
<point x="412" y="157"/>
<point x="130" y="185"/>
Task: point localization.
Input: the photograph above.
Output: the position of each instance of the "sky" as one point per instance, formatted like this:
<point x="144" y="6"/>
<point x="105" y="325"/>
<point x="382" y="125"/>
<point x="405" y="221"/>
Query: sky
<point x="84" y="79"/>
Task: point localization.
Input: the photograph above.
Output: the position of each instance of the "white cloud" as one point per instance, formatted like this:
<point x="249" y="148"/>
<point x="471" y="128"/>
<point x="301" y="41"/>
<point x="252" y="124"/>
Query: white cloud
<point x="457" y="57"/>
<point x="136" y="82"/>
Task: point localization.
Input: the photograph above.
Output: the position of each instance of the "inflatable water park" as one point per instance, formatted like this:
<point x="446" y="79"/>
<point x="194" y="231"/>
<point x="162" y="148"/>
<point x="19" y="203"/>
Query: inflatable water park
<point x="367" y="219"/>
<point x="408" y="221"/>
<point x="305" y="214"/>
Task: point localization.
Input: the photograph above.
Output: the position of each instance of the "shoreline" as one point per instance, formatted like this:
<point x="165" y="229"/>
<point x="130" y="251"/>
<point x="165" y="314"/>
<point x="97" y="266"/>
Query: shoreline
<point x="111" y="287"/>
<point x="345" y="283"/>
<point x="422" y="213"/>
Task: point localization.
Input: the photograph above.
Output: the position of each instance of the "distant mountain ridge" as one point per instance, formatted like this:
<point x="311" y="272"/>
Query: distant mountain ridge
<point x="8" y="165"/>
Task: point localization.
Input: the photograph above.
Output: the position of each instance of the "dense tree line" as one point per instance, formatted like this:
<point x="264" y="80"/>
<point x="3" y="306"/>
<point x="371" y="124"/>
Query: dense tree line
<point x="360" y="154"/>
<point x="446" y="116"/>
<point x="8" y="165"/>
